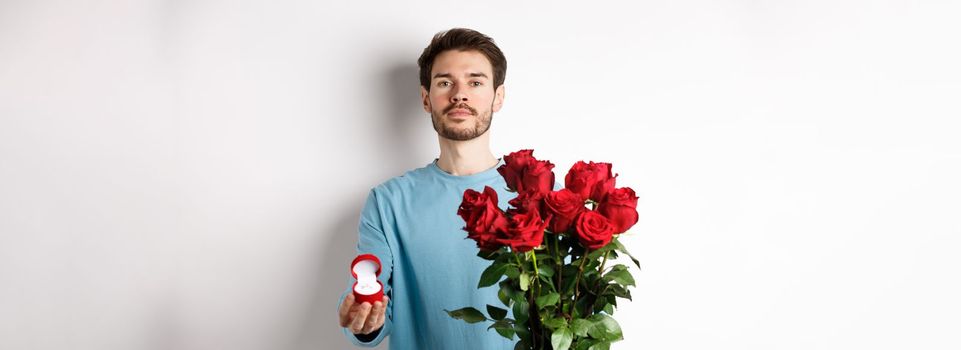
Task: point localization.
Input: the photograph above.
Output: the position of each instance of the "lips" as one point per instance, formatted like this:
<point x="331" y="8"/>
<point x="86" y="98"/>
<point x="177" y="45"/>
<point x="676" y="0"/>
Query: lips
<point x="459" y="112"/>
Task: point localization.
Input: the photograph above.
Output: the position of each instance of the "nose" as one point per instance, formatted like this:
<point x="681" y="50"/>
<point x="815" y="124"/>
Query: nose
<point x="457" y="95"/>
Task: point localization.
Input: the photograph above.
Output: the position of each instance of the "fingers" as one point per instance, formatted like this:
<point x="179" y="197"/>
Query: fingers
<point x="377" y="316"/>
<point x="371" y="324"/>
<point x="345" y="310"/>
<point x="360" y="318"/>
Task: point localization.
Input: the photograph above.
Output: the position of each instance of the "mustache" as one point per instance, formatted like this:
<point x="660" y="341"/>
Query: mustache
<point x="461" y="106"/>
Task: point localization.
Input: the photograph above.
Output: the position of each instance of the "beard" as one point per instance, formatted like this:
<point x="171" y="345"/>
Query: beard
<point x="462" y="131"/>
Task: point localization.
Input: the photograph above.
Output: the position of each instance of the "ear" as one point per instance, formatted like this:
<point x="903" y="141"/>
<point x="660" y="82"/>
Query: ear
<point x="425" y="99"/>
<point x="498" y="98"/>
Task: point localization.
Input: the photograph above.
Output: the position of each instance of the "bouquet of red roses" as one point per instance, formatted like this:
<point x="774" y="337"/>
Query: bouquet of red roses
<point x="553" y="248"/>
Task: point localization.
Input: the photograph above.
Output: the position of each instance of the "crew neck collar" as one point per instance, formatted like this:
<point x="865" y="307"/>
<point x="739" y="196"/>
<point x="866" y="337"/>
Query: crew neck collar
<point x="488" y="174"/>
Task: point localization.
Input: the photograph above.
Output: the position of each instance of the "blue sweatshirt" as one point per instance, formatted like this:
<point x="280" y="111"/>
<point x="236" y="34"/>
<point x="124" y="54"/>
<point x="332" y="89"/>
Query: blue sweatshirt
<point x="410" y="223"/>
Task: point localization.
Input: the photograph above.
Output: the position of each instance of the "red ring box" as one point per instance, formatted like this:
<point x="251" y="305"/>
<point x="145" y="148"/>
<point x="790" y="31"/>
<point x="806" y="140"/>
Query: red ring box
<point x="363" y="288"/>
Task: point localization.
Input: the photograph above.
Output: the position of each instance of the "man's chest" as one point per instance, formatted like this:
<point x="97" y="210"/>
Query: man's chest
<point x="430" y="234"/>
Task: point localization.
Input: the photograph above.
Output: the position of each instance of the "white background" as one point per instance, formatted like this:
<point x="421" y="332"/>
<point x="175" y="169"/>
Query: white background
<point x="189" y="174"/>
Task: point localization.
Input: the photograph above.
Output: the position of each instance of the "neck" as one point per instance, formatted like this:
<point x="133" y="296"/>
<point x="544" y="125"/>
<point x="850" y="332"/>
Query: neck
<point x="461" y="158"/>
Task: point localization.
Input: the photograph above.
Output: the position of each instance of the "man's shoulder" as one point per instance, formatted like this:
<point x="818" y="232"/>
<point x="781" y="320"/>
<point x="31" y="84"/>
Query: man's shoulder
<point x="401" y="183"/>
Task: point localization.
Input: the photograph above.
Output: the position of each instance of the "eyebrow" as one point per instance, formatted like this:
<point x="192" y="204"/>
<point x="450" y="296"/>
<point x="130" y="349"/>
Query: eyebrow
<point x="448" y="75"/>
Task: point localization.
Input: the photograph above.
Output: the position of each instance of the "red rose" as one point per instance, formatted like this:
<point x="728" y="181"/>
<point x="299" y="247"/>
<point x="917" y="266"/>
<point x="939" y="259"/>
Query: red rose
<point x="529" y="200"/>
<point x="620" y="207"/>
<point x="523" y="172"/>
<point x="514" y="166"/>
<point x="539" y="177"/>
<point x="593" y="230"/>
<point x="590" y="180"/>
<point x="564" y="205"/>
<point x="482" y="217"/>
<point x="603" y="188"/>
<point x="525" y="230"/>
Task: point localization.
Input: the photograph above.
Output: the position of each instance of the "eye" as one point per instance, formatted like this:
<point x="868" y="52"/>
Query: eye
<point x="477" y="83"/>
<point x="443" y="83"/>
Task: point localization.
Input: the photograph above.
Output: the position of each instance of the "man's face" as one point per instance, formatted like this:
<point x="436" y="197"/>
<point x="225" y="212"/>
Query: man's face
<point x="462" y="98"/>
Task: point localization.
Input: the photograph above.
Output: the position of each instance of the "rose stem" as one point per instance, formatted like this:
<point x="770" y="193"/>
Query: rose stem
<point x="536" y="271"/>
<point x="580" y="271"/>
<point x="601" y="272"/>
<point x="604" y="261"/>
<point x="519" y="264"/>
<point x="557" y="260"/>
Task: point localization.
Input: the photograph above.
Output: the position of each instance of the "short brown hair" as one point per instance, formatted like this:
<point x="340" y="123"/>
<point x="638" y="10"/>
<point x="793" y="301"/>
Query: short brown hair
<point x="462" y="39"/>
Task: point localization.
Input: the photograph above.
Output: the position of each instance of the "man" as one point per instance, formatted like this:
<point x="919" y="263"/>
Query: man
<point x="410" y="223"/>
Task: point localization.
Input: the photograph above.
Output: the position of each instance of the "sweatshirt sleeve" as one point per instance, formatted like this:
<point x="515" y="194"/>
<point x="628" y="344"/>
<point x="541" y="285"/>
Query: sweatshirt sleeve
<point x="371" y="239"/>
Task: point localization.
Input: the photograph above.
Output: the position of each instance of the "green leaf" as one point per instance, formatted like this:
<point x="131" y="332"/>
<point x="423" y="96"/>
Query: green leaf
<point x="620" y="247"/>
<point x="580" y="307"/>
<point x="600" y="303"/>
<point x="594" y="255"/>
<point x="503" y="327"/>
<point x="468" y="314"/>
<point x="618" y="290"/>
<point x="523" y="333"/>
<point x="545" y="270"/>
<point x="555" y="323"/>
<point x="512" y="272"/>
<point x="604" y="327"/>
<point x="504" y="256"/>
<point x="620" y="275"/>
<point x="506" y="333"/>
<point x="525" y="280"/>
<point x="581" y="326"/>
<point x="521" y="312"/>
<point x="496" y="312"/>
<point x="510" y="292"/>
<point x="548" y="285"/>
<point x="561" y="339"/>
<point x="491" y="255"/>
<point x="603" y="345"/>
<point x="504" y="297"/>
<point x="547" y="299"/>
<point x="584" y="344"/>
<point x="491" y="275"/>
<point x="543" y="258"/>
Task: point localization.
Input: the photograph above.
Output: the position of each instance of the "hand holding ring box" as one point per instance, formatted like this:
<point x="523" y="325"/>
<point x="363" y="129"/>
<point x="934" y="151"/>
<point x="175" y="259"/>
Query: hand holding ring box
<point x="365" y="268"/>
